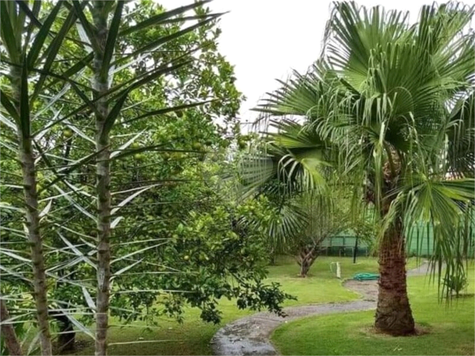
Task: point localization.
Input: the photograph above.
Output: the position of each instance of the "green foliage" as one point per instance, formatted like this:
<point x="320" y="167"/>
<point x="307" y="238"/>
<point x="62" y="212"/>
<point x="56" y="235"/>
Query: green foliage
<point x="20" y="331"/>
<point x="456" y="284"/>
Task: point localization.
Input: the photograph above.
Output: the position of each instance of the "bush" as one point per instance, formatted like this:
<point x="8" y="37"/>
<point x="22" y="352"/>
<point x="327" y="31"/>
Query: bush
<point x="456" y="283"/>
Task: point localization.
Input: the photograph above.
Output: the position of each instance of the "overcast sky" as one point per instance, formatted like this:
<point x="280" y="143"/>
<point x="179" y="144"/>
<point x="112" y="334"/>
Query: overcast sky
<point x="266" y="39"/>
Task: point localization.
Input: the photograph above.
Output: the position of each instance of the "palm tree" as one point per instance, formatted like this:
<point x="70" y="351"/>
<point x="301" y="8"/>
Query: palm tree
<point x="388" y="108"/>
<point x="326" y="217"/>
<point x="21" y="58"/>
<point x="299" y="225"/>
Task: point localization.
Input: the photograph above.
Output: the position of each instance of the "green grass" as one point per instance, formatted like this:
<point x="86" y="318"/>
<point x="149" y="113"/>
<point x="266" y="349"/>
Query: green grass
<point x="321" y="286"/>
<point x="192" y="337"/>
<point x="450" y="329"/>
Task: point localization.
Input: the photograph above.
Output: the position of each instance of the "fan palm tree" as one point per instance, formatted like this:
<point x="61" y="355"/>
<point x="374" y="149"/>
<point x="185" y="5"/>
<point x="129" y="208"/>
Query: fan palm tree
<point x="388" y="110"/>
<point x="298" y="225"/>
<point x="325" y="217"/>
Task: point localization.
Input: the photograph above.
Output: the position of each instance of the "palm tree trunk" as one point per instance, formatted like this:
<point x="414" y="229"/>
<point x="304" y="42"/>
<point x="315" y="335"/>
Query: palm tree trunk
<point x="304" y="268"/>
<point x="272" y="257"/>
<point x="8" y="332"/>
<point x="393" y="312"/>
<point x="102" y="185"/>
<point x="306" y="258"/>
<point x="27" y="161"/>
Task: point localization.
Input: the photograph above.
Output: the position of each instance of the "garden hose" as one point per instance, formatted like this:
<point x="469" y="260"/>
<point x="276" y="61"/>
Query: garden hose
<point x="366" y="276"/>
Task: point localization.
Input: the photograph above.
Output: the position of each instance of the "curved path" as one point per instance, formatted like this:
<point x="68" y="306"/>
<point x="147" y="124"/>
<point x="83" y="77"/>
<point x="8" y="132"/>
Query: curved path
<point x="250" y="335"/>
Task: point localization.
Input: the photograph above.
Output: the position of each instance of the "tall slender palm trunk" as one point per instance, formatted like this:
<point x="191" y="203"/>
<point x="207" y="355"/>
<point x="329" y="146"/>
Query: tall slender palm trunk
<point x="102" y="185"/>
<point x="393" y="312"/>
<point x="8" y="332"/>
<point x="27" y="161"/>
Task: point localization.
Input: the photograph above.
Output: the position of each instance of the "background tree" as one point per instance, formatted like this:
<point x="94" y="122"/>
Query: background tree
<point x="299" y="225"/>
<point x="326" y="217"/>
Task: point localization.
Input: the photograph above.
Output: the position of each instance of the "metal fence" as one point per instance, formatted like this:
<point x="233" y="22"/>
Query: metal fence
<point x="419" y="243"/>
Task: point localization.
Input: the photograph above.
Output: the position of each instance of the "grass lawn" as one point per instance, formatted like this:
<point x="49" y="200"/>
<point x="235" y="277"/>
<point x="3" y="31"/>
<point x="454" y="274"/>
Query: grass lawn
<point x="192" y="337"/>
<point x="450" y="329"/>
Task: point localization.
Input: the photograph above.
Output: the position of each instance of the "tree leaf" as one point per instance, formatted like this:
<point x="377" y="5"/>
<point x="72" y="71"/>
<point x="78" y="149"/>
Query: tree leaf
<point x="25" y="122"/>
<point x="89" y="300"/>
<point x="113" y="114"/>
<point x="87" y="26"/>
<point x="7" y="122"/>
<point x="52" y="52"/>
<point x="130" y="198"/>
<point x="43" y="33"/>
<point x="7" y="104"/>
<point x="111" y="39"/>
<point x="157" y="19"/>
<point x="167" y="110"/>
<point x="165" y="39"/>
<point x="46" y="209"/>
<point x="125" y="145"/>
<point x="137" y="252"/>
<point x="8" y="34"/>
<point x="126" y="268"/>
<point x="24" y="7"/>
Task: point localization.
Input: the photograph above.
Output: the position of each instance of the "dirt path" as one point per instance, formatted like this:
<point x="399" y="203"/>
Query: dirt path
<point x="250" y="335"/>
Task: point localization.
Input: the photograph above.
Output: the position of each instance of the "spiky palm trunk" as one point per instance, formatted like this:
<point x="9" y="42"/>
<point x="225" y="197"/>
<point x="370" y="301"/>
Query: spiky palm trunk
<point x="8" y="332"/>
<point x="393" y="311"/>
<point x="102" y="185"/>
<point x="27" y="161"/>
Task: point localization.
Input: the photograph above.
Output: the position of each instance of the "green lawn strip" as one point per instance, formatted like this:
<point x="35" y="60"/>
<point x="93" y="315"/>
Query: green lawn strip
<point x="170" y="337"/>
<point x="192" y="336"/>
<point x="450" y="329"/>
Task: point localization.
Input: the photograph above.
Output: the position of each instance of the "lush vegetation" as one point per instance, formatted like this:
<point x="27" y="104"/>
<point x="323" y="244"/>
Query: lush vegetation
<point x="448" y="330"/>
<point x="130" y="199"/>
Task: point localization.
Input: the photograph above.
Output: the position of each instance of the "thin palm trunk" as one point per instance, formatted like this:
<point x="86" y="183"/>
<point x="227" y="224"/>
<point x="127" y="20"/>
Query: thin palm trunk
<point x="8" y="332"/>
<point x="102" y="185"/>
<point x="27" y="161"/>
<point x="393" y="312"/>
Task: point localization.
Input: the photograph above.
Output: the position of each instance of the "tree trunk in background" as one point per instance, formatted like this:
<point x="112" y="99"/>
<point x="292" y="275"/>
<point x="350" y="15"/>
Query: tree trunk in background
<point x="393" y="312"/>
<point x="102" y="183"/>
<point x="27" y="161"/>
<point x="8" y="332"/>
<point x="355" y="251"/>
<point x="305" y="259"/>
<point x="272" y="257"/>
<point x="67" y="336"/>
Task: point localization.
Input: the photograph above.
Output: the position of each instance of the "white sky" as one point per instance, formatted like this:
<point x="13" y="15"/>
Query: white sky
<point x="266" y="39"/>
